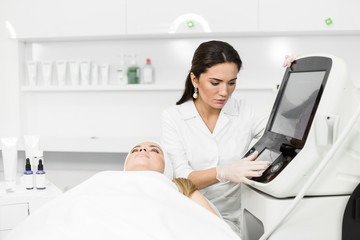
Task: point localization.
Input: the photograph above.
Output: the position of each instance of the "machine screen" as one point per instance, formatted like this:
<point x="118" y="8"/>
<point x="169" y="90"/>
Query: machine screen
<point x="296" y="104"/>
<point x="268" y="155"/>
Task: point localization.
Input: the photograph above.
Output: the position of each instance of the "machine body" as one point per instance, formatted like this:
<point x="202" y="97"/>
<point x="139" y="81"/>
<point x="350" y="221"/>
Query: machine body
<point x="314" y="104"/>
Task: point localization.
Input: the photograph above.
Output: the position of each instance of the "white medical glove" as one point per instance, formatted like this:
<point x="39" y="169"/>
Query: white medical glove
<point x="289" y="60"/>
<point x="240" y="170"/>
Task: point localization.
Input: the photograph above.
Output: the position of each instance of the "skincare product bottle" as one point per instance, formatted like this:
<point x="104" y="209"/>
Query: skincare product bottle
<point x="85" y="72"/>
<point x="32" y="72"/>
<point x="147" y="72"/>
<point x="32" y="148"/>
<point x="9" y="155"/>
<point x="94" y="74"/>
<point x="47" y="67"/>
<point x="40" y="177"/>
<point x="28" y="176"/>
<point x="121" y="71"/>
<point x="104" y="73"/>
<point x="74" y="72"/>
<point x="61" y="69"/>
<point x="133" y="72"/>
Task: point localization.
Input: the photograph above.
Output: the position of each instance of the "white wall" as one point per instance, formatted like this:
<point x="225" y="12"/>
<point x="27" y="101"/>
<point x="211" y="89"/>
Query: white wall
<point x="9" y="86"/>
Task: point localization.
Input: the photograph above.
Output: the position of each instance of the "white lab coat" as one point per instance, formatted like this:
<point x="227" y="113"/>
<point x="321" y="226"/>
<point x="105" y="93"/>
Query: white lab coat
<point x="191" y="146"/>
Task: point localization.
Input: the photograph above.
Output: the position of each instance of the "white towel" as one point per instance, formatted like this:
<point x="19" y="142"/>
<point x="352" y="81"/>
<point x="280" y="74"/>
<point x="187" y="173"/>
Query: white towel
<point x="123" y="205"/>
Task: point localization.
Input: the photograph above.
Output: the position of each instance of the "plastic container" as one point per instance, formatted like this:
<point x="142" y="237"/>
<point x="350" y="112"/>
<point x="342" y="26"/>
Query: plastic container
<point x="147" y="72"/>
<point x="121" y="71"/>
<point x="9" y="154"/>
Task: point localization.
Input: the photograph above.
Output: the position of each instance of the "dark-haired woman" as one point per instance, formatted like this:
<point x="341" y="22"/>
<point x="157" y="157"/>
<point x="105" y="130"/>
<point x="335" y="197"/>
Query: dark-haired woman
<point x="207" y="133"/>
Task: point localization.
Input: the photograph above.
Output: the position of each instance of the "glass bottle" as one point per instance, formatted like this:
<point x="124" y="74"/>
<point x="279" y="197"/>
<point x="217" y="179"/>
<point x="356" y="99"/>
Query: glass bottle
<point x="133" y="71"/>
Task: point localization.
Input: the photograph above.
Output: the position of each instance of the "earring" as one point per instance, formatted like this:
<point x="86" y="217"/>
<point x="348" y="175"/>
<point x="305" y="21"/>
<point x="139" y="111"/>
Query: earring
<point x="195" y="95"/>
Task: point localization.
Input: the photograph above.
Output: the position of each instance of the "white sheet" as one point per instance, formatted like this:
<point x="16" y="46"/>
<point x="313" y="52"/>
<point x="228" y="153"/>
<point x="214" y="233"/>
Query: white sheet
<point x="123" y="205"/>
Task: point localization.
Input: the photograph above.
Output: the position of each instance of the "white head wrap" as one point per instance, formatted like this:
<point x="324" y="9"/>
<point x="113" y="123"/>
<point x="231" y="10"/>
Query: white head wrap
<point x="168" y="170"/>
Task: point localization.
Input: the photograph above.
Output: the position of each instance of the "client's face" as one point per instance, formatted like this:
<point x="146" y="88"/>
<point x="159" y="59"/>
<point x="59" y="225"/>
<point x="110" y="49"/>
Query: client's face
<point x="146" y="156"/>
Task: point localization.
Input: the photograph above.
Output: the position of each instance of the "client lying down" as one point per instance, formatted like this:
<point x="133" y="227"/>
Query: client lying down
<point x="139" y="203"/>
<point x="148" y="156"/>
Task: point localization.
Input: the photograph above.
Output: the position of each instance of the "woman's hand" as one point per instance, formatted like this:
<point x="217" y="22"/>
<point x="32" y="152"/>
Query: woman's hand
<point x="289" y="60"/>
<point x="240" y="170"/>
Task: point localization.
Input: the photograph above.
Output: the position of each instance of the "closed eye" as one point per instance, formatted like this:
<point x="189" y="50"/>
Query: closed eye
<point x="134" y="150"/>
<point x="154" y="150"/>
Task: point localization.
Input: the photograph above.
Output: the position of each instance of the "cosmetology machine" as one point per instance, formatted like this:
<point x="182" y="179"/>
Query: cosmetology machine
<point x="312" y="140"/>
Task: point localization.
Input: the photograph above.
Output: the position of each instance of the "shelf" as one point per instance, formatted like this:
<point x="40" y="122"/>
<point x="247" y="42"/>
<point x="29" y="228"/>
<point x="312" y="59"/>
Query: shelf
<point x="195" y="35"/>
<point x="134" y="87"/>
<point x="90" y="144"/>
<point x="93" y="144"/>
<point x="105" y="144"/>
<point x="109" y="88"/>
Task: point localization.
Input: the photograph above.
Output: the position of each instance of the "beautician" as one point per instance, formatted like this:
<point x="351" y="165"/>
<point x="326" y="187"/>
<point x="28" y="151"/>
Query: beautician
<point x="207" y="132"/>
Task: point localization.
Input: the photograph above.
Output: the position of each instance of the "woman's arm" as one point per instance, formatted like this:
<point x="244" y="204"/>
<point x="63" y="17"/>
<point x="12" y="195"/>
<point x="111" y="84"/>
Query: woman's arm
<point x="238" y="172"/>
<point x="172" y="144"/>
<point x="201" y="200"/>
<point x="203" y="178"/>
<point x="176" y="153"/>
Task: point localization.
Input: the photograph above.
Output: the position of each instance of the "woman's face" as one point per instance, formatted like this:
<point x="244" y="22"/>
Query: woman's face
<point x="216" y="85"/>
<point x="146" y="156"/>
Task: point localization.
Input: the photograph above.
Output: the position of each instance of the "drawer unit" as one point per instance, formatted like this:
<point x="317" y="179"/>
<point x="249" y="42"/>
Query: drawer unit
<point x="12" y="214"/>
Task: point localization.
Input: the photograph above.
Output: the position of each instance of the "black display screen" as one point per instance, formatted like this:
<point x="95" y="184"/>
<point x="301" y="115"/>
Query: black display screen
<point x="297" y="103"/>
<point x="268" y="155"/>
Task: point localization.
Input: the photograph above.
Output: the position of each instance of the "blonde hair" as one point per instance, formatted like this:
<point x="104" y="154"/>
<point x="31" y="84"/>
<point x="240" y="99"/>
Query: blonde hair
<point x="185" y="186"/>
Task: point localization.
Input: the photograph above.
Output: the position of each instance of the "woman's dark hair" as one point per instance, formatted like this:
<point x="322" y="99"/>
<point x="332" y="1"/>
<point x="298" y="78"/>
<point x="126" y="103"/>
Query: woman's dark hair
<point x="207" y="55"/>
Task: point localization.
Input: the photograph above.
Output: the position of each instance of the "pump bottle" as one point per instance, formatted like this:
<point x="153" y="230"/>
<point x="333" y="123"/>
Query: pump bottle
<point x="28" y="176"/>
<point x="40" y="177"/>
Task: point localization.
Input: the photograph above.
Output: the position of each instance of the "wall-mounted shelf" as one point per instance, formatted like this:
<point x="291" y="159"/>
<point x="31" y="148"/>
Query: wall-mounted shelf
<point x="90" y="143"/>
<point x="109" y="88"/>
<point x="105" y="144"/>
<point x="262" y="33"/>
<point x="134" y="87"/>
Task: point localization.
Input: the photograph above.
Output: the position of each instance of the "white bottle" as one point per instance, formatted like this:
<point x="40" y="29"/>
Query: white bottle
<point x="104" y="74"/>
<point x="85" y="72"/>
<point x="94" y="74"/>
<point x="148" y="72"/>
<point x="28" y="176"/>
<point x="121" y="71"/>
<point x="74" y="72"/>
<point x="40" y="177"/>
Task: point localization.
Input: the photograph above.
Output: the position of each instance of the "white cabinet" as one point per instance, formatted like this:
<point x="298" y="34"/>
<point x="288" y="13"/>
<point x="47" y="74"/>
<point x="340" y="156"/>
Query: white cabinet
<point x="100" y="19"/>
<point x="309" y="15"/>
<point x="186" y="16"/>
<point x="12" y="214"/>
<point x="33" y="19"/>
<point x="18" y="205"/>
